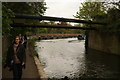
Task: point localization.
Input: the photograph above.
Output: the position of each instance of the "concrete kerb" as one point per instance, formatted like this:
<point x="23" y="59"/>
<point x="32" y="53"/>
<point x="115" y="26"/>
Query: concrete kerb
<point x="41" y="72"/>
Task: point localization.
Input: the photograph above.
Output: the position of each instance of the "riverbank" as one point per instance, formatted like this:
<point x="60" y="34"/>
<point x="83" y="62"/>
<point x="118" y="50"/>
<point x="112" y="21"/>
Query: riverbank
<point x="38" y="64"/>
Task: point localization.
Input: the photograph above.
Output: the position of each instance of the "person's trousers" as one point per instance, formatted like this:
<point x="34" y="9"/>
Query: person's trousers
<point x="17" y="71"/>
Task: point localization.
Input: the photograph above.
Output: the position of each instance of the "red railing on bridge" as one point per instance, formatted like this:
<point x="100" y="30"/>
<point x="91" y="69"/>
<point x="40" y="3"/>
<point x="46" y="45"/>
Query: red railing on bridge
<point x="58" y="34"/>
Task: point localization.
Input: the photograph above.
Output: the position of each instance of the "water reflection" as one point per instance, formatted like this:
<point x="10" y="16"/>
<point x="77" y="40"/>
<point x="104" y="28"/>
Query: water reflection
<point x="66" y="57"/>
<point x="102" y="65"/>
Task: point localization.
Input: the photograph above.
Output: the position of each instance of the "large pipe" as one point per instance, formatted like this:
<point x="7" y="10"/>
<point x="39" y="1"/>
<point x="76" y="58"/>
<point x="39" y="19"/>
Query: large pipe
<point x="26" y="16"/>
<point x="50" y="26"/>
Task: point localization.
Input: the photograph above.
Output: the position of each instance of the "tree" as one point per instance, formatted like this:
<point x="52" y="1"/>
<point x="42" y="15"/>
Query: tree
<point x="6" y="20"/>
<point x="36" y="8"/>
<point x="108" y="12"/>
<point x="8" y="8"/>
<point x="89" y="10"/>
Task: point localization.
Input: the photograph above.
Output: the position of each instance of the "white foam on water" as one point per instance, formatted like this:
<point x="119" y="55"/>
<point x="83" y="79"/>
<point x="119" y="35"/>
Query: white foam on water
<point x="60" y="57"/>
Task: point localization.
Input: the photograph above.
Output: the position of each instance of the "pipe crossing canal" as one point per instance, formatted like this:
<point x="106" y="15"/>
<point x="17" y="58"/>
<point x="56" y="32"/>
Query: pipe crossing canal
<point x="66" y="57"/>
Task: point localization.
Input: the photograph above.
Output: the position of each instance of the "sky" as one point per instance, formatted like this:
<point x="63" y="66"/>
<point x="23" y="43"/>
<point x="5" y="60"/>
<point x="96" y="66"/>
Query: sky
<point x="62" y="8"/>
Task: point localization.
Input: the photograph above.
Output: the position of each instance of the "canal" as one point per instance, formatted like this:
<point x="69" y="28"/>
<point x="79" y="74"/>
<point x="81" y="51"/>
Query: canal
<point x="66" y="58"/>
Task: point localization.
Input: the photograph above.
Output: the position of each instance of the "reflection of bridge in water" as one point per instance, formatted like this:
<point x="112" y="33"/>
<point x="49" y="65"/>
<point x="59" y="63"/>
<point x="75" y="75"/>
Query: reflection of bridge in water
<point x="57" y="36"/>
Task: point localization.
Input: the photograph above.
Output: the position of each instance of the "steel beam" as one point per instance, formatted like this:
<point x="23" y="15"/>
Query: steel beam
<point x="50" y="26"/>
<point x="36" y="17"/>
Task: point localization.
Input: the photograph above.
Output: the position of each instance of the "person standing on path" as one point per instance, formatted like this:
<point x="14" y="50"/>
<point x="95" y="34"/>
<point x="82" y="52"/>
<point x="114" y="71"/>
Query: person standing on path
<point x="16" y="58"/>
<point x="25" y="40"/>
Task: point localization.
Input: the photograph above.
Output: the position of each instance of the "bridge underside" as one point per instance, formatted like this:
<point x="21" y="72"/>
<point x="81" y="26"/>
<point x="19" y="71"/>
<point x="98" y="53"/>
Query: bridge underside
<point x="39" y="17"/>
<point x="50" y="26"/>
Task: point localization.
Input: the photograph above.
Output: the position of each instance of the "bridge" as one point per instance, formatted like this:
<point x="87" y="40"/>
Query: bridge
<point x="19" y="22"/>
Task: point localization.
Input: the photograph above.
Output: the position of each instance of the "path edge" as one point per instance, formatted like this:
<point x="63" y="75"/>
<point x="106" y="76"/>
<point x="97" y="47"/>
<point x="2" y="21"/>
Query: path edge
<point x="40" y="69"/>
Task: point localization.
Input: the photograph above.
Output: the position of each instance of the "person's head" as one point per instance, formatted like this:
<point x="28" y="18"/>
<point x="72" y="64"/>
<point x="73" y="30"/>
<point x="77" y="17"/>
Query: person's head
<point x="17" y="40"/>
<point x="20" y="35"/>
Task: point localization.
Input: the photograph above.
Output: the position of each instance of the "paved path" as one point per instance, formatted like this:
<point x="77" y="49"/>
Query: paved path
<point x="30" y="72"/>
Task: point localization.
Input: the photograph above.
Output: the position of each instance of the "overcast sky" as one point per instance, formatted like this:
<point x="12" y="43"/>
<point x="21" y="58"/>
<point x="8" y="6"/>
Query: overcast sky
<point x="62" y="8"/>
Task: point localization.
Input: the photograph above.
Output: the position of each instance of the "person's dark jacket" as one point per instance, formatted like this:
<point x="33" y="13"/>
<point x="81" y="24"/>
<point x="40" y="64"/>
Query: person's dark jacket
<point x="20" y="54"/>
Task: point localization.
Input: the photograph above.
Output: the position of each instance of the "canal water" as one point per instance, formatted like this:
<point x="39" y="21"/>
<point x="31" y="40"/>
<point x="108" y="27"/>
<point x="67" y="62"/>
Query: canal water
<point x="66" y="58"/>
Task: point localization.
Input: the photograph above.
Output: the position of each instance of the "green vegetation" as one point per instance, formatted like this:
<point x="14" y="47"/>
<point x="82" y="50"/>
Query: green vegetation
<point x="34" y="8"/>
<point x="101" y="12"/>
<point x="31" y="45"/>
<point x="8" y="10"/>
<point x="95" y="11"/>
<point x="54" y="30"/>
<point x="90" y="10"/>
